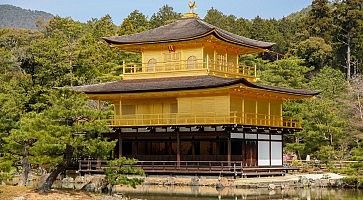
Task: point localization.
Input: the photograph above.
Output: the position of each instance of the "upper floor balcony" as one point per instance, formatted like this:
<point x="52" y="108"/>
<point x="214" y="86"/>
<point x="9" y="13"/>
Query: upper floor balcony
<point x="190" y="67"/>
<point x="169" y="119"/>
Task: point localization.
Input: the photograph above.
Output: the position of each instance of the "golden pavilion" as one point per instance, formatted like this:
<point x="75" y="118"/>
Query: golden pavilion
<point x="190" y="107"/>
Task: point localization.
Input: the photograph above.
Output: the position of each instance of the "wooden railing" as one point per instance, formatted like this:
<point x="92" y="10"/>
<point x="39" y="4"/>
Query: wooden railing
<point x="160" y="166"/>
<point x="204" y="118"/>
<point x="218" y="68"/>
<point x="229" y="168"/>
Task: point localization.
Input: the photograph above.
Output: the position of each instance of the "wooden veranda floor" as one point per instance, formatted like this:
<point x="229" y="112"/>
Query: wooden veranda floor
<point x="214" y="168"/>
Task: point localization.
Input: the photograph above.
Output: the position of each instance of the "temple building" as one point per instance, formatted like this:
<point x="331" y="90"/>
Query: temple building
<point x="190" y="106"/>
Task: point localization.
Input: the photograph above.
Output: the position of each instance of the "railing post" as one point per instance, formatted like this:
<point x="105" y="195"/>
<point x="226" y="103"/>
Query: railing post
<point x="79" y="165"/>
<point x="123" y="67"/>
<point x="255" y="70"/>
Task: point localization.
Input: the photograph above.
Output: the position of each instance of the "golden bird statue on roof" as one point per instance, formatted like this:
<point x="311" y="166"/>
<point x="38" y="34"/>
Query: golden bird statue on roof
<point x="192" y="6"/>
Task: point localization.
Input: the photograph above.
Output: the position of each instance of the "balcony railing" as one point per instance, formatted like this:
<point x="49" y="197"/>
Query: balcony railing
<point x="212" y="67"/>
<point x="203" y="119"/>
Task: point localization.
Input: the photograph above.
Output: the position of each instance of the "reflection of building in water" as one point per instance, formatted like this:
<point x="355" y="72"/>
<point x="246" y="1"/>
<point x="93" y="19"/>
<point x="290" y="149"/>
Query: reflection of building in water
<point x="151" y="192"/>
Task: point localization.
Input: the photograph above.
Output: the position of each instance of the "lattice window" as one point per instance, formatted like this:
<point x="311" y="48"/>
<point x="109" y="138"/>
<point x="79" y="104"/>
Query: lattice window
<point x="192" y="62"/>
<point x="151" y="65"/>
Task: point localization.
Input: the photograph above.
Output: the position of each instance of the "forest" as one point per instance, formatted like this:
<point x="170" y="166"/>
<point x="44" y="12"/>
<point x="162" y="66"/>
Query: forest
<point x="319" y="48"/>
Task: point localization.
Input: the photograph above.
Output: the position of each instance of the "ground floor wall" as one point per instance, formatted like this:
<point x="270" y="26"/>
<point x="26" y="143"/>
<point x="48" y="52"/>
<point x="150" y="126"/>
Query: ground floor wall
<point x="251" y="149"/>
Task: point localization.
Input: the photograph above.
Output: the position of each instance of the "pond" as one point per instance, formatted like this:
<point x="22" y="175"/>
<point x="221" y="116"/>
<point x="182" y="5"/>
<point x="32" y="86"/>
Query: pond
<point x="150" y="192"/>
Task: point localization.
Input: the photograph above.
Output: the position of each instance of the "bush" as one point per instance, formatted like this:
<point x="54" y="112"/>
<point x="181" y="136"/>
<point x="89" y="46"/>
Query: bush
<point x="118" y="170"/>
<point x="353" y="182"/>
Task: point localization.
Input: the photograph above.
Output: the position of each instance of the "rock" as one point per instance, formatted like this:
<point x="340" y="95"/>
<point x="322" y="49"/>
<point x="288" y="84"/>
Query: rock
<point x="326" y="176"/>
<point x="285" y="186"/>
<point x="304" y="181"/>
<point x="114" y="197"/>
<point x="40" y="181"/>
<point x="195" y="181"/>
<point x="19" y="198"/>
<point x="220" y="185"/>
<point x="90" y="187"/>
<point x="271" y="186"/>
<point x="68" y="183"/>
<point x="170" y="181"/>
<point x="81" y="181"/>
<point x="109" y="198"/>
<point x="272" y="192"/>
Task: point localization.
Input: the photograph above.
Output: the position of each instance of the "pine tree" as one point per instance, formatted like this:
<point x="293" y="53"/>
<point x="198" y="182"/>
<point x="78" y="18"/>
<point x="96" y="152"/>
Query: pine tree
<point x="165" y="15"/>
<point x="319" y="19"/>
<point x="348" y="35"/>
<point x="135" y="22"/>
<point x="68" y="129"/>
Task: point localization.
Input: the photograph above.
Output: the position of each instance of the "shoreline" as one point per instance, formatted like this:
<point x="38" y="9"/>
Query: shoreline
<point x="289" y="180"/>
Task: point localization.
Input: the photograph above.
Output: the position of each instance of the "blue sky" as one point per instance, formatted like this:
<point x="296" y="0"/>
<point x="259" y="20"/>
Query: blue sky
<point x="84" y="10"/>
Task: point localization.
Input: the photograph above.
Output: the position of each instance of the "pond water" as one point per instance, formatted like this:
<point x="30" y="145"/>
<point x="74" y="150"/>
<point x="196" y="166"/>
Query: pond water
<point x="205" y="193"/>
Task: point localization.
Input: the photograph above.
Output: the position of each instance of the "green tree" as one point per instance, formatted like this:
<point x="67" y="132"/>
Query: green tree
<point x="97" y="62"/>
<point x="348" y="34"/>
<point x="19" y="142"/>
<point x="319" y="19"/>
<point x="118" y="170"/>
<point x="57" y="53"/>
<point x="135" y="22"/>
<point x="68" y="128"/>
<point x="325" y="127"/>
<point x="102" y="27"/>
<point x="6" y="169"/>
<point x="330" y="82"/>
<point x="315" y="51"/>
<point x="165" y="15"/>
<point x="290" y="72"/>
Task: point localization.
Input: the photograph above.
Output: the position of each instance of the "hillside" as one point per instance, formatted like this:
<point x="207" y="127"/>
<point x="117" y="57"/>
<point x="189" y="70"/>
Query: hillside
<point x="16" y="17"/>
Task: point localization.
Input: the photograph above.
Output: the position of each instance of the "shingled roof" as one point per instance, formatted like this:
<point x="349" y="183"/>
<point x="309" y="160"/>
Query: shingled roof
<point x="185" y="29"/>
<point x="179" y="83"/>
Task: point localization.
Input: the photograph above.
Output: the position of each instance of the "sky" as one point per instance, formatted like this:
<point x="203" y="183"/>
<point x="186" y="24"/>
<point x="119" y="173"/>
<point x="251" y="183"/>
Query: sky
<point x="84" y="10"/>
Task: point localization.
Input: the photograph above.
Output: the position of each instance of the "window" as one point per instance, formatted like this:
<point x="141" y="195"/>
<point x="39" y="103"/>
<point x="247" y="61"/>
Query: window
<point x="151" y="65"/>
<point x="128" y="109"/>
<point x="174" y="108"/>
<point x="192" y="62"/>
<point x="172" y="61"/>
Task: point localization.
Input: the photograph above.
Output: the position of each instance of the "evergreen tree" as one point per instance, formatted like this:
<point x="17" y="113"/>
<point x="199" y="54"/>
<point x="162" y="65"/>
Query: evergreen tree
<point x="165" y="15"/>
<point x="319" y="19"/>
<point x="135" y="22"/>
<point x="118" y="170"/>
<point x="290" y="72"/>
<point x="68" y="129"/>
<point x="315" y="51"/>
<point x="348" y="35"/>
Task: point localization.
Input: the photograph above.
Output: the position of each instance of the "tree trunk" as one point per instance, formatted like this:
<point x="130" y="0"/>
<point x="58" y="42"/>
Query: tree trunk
<point x="348" y="59"/>
<point x="47" y="185"/>
<point x="26" y="166"/>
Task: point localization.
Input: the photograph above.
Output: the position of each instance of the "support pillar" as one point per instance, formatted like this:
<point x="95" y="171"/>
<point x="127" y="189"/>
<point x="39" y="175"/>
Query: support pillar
<point x="229" y="147"/>
<point x="119" y="146"/>
<point x="269" y="114"/>
<point x="178" y="149"/>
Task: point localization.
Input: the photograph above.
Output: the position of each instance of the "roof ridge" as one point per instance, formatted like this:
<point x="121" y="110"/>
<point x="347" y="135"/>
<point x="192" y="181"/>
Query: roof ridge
<point x="205" y="24"/>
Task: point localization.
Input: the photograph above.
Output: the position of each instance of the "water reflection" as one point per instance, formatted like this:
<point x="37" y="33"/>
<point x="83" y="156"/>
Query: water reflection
<point x="150" y="192"/>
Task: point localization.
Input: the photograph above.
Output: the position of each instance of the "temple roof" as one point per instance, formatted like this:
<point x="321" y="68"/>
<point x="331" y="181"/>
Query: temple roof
<point x="179" y="83"/>
<point x="183" y="30"/>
